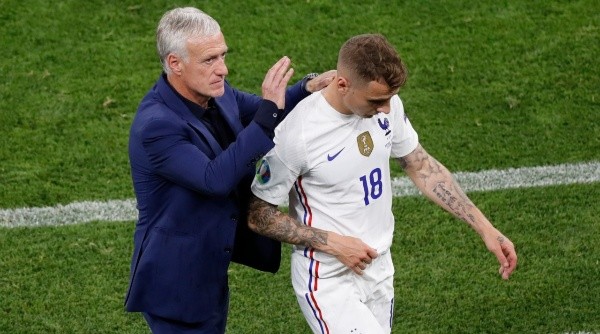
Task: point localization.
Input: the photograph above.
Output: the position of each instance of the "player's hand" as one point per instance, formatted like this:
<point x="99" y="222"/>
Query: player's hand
<point x="321" y="81"/>
<point x="504" y="250"/>
<point x="275" y="83"/>
<point x="352" y="252"/>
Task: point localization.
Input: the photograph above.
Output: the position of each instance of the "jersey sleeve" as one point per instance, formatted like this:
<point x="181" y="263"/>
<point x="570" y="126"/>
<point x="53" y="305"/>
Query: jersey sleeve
<point x="277" y="171"/>
<point x="405" y="138"/>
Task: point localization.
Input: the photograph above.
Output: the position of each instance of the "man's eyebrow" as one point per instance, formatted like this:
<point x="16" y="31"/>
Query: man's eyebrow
<point x="379" y="100"/>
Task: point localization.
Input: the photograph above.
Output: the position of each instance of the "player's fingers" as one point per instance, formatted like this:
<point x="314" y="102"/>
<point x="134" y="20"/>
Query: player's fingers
<point x="357" y="269"/>
<point x="512" y="265"/>
<point x="372" y="253"/>
<point x="501" y="259"/>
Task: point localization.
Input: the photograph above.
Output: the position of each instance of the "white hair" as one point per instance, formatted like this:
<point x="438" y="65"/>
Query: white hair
<point x="179" y="25"/>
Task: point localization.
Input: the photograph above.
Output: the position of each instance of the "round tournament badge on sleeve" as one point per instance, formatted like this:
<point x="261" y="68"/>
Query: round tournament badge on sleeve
<point x="263" y="171"/>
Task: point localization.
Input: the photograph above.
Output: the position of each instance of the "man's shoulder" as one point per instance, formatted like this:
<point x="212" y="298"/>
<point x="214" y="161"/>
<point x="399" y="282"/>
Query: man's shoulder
<point x="306" y="106"/>
<point x="152" y="109"/>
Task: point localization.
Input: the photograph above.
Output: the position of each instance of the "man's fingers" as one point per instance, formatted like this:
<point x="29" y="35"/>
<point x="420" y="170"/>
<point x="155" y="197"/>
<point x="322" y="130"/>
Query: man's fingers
<point x="277" y="72"/>
<point x="372" y="253"/>
<point x="275" y="83"/>
<point x="359" y="268"/>
<point x="287" y="77"/>
<point x="507" y="258"/>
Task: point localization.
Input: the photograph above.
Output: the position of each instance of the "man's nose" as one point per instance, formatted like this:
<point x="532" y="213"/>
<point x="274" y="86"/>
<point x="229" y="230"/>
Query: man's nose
<point x="385" y="108"/>
<point x="221" y="68"/>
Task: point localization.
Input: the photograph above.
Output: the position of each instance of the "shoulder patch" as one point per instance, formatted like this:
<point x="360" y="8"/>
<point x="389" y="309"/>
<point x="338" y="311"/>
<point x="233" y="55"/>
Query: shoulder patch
<point x="263" y="171"/>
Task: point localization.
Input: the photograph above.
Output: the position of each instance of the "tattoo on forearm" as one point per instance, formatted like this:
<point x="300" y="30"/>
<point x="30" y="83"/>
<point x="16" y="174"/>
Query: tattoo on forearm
<point x="267" y="220"/>
<point x="436" y="177"/>
<point x="455" y="200"/>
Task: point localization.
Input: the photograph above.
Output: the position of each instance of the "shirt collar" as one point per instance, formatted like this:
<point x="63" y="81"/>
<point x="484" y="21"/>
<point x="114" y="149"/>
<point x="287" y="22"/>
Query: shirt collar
<point x="195" y="108"/>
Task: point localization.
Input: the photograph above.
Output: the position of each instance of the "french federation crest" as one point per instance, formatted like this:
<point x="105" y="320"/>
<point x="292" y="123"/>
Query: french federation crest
<point x="263" y="171"/>
<point x="385" y="125"/>
<point x="365" y="143"/>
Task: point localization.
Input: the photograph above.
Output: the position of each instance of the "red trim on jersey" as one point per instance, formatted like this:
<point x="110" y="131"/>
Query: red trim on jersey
<point x="315" y="287"/>
<point x="304" y="200"/>
<point x="313" y="274"/>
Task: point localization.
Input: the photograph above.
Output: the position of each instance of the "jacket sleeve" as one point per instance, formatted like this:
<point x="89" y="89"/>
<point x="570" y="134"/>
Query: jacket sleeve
<point x="250" y="111"/>
<point x="170" y="149"/>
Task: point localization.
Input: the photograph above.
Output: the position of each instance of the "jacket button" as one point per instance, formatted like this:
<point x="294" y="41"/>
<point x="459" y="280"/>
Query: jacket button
<point x="227" y="250"/>
<point x="234" y="218"/>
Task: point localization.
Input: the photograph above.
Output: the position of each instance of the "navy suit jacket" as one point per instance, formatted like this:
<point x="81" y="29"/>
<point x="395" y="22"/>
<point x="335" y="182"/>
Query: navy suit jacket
<point x="192" y="197"/>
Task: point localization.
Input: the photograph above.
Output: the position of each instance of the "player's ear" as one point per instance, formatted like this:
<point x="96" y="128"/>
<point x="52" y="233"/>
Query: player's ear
<point x="342" y="85"/>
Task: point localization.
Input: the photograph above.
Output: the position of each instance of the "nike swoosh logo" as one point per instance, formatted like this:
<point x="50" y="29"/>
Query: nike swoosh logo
<point x="331" y="157"/>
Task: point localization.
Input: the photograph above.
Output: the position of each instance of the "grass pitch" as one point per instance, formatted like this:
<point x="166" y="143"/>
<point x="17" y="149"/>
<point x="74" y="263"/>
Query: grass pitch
<point x="492" y="85"/>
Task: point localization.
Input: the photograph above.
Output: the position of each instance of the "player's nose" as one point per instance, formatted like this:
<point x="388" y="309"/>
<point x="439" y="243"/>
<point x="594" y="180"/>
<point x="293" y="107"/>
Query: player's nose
<point x="385" y="109"/>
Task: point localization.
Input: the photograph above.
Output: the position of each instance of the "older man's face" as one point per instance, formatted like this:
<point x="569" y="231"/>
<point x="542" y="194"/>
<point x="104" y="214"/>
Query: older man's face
<point x="202" y="74"/>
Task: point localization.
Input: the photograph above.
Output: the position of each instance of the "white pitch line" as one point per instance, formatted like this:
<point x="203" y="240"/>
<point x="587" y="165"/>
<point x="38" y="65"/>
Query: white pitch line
<point x="125" y="210"/>
<point x="526" y="177"/>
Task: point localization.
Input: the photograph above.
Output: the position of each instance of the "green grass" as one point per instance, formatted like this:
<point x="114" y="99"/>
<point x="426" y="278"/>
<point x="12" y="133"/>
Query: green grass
<point x="72" y="279"/>
<point x="493" y="84"/>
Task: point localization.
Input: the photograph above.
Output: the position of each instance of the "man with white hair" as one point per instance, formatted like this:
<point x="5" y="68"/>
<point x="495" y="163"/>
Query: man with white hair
<point x="193" y="146"/>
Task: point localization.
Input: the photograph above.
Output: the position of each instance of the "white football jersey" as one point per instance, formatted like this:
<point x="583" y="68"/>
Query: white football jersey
<point x="334" y="169"/>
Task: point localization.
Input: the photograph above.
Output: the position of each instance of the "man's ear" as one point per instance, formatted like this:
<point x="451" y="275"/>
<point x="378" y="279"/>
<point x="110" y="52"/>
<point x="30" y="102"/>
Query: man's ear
<point x="175" y="63"/>
<point x="343" y="85"/>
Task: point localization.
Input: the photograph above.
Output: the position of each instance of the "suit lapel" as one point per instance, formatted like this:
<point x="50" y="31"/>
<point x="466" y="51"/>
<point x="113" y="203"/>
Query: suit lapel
<point x="230" y="113"/>
<point x="176" y="105"/>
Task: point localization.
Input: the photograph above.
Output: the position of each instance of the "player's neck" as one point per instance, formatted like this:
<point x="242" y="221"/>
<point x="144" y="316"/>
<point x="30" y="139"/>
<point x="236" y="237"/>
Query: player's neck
<point x="333" y="97"/>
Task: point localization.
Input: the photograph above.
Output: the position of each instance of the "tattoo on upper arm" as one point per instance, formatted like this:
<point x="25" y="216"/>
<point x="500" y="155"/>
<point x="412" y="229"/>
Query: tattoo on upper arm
<point x="269" y="221"/>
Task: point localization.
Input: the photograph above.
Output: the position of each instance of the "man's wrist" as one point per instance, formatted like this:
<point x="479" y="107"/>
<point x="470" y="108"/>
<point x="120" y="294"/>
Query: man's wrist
<point x="306" y="79"/>
<point x="268" y="116"/>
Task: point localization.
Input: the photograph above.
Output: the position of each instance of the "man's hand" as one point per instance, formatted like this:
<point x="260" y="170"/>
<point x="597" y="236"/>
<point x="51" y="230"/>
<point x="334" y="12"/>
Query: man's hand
<point x="435" y="181"/>
<point x="504" y="250"/>
<point x="266" y="219"/>
<point x="350" y="251"/>
<point x="275" y="83"/>
<point x="321" y="81"/>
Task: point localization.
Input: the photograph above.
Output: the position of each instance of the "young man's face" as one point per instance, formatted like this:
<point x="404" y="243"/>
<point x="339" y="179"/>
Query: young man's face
<point x="203" y="73"/>
<point x="367" y="100"/>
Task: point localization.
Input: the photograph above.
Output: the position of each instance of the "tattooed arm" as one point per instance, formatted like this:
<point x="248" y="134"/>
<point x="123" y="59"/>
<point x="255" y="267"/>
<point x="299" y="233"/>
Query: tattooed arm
<point x="264" y="218"/>
<point x="436" y="182"/>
